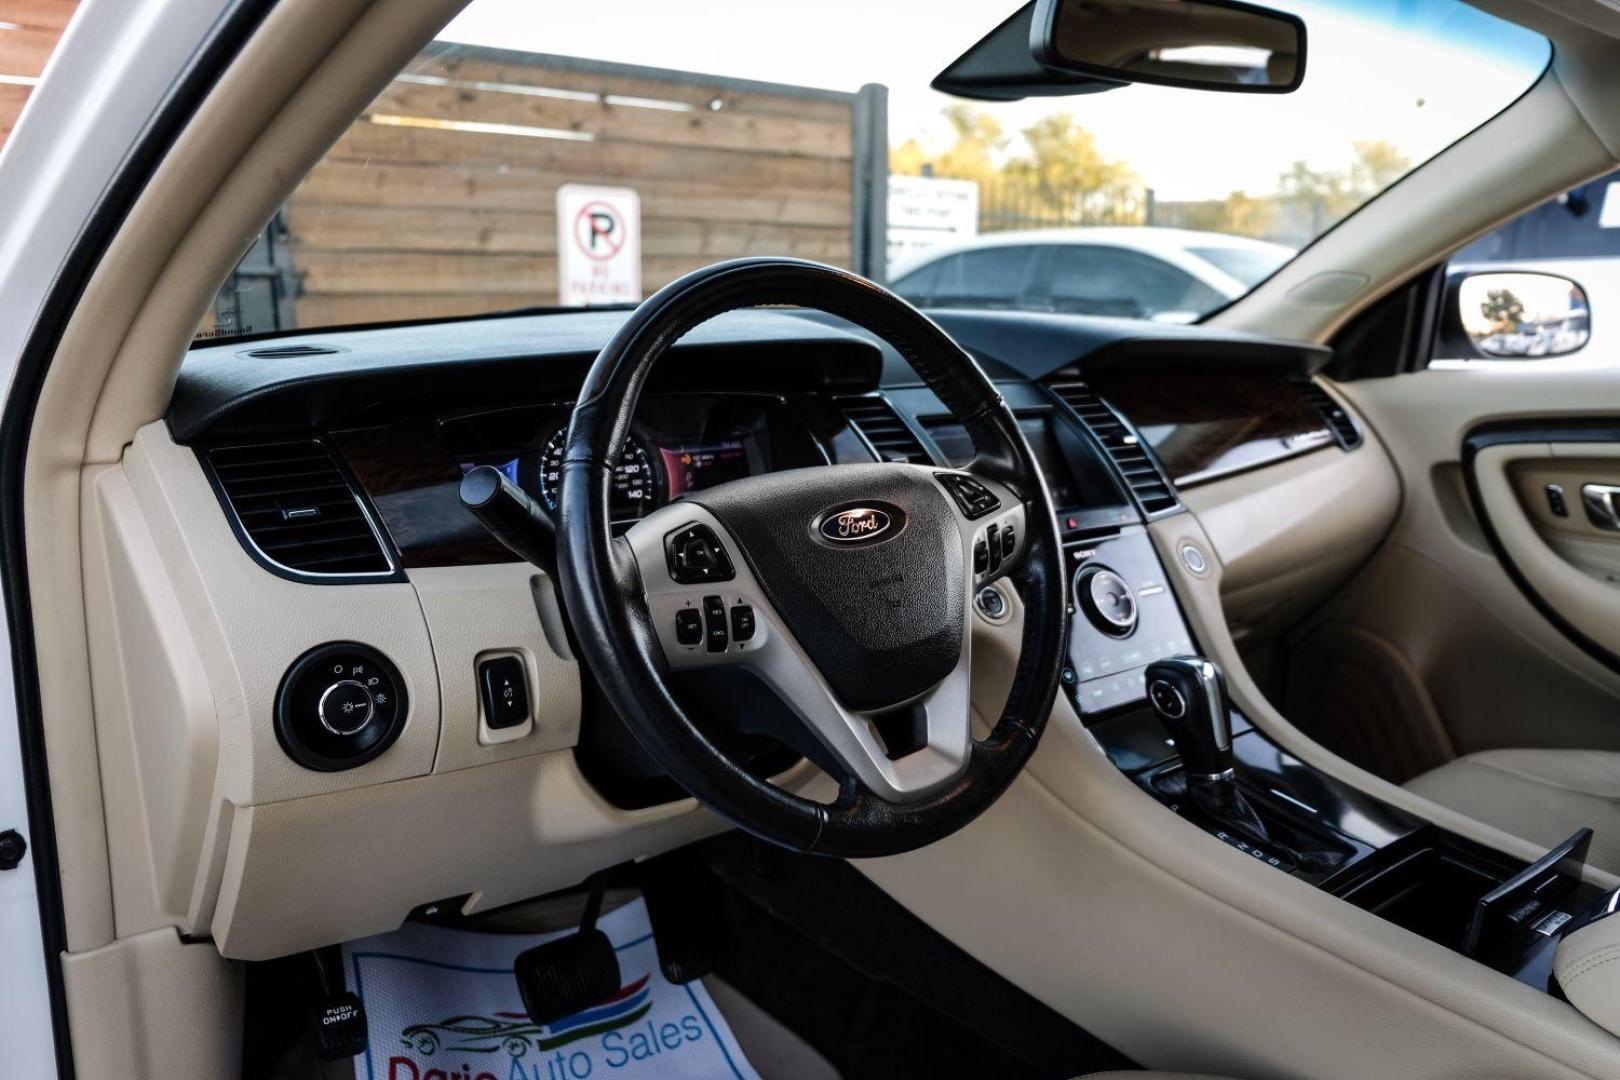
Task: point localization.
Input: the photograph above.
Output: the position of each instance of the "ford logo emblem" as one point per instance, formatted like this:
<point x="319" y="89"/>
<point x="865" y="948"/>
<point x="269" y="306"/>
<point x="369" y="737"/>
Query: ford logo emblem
<point x="855" y="525"/>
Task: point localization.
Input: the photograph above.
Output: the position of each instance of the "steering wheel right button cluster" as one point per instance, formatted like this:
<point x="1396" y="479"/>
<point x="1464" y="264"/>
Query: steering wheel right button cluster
<point x="972" y="498"/>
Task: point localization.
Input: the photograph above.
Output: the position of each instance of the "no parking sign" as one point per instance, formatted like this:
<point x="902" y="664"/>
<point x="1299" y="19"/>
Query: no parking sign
<point x="598" y="245"/>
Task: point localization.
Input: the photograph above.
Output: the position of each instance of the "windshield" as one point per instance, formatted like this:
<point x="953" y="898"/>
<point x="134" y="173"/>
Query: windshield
<point x="1248" y="266"/>
<point x="547" y="154"/>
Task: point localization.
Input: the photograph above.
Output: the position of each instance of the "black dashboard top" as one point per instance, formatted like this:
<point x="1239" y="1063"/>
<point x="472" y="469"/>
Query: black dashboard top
<point x="380" y="375"/>
<point x="359" y="376"/>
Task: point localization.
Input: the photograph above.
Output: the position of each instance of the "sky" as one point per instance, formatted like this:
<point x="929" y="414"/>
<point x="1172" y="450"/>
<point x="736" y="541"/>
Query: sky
<point x="1417" y="73"/>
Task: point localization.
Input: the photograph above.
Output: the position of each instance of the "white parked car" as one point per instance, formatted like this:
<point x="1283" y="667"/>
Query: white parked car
<point x="1144" y="272"/>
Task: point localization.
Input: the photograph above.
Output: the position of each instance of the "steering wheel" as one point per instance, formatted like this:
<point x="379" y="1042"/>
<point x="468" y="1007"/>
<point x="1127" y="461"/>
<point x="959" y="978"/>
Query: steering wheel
<point x="847" y="589"/>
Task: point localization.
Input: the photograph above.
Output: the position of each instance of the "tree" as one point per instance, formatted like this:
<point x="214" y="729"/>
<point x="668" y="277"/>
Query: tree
<point x="979" y="142"/>
<point x="1503" y="309"/>
<point x="1071" y="177"/>
<point x="1377" y="165"/>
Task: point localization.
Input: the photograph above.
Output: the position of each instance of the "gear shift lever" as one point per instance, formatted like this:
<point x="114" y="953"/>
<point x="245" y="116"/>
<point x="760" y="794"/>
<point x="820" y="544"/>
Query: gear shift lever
<point x="1188" y="696"/>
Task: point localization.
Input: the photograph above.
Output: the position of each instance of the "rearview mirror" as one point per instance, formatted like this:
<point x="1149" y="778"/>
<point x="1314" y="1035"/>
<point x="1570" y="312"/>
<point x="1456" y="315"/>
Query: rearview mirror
<point x="1198" y="44"/>
<point x="1518" y="315"/>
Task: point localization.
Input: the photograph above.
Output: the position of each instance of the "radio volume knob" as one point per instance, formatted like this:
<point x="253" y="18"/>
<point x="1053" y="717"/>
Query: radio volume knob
<point x="1107" y="601"/>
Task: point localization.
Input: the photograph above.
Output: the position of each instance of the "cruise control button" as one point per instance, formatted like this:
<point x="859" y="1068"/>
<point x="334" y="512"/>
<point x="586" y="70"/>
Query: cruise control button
<point x="688" y="626"/>
<point x="742" y="622"/>
<point x="1009" y="541"/>
<point x="714" y="621"/>
<point x="992" y="541"/>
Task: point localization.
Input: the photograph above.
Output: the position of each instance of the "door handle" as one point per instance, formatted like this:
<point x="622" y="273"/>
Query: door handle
<point x="1599" y="500"/>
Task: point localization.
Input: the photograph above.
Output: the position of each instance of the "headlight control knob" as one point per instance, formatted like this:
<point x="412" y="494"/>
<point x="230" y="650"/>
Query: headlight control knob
<point x="339" y="706"/>
<point x="1107" y="600"/>
<point x="346" y="707"/>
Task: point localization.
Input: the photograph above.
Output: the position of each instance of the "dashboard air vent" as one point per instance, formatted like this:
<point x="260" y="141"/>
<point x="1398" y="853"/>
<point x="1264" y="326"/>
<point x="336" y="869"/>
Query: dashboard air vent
<point x="1343" y="424"/>
<point x="298" y="510"/>
<point x="876" y="419"/>
<point x="1149" y="486"/>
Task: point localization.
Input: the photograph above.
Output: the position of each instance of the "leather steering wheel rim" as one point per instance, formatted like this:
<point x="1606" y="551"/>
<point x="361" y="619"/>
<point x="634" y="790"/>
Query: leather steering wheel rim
<point x="612" y="622"/>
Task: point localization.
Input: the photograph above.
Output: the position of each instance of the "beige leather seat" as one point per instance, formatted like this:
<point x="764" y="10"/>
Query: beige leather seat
<point x="1540" y="795"/>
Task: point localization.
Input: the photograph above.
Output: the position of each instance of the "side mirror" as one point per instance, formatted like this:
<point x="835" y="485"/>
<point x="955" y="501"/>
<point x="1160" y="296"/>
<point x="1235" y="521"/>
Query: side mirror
<point x="1197" y="44"/>
<point x="1514" y="315"/>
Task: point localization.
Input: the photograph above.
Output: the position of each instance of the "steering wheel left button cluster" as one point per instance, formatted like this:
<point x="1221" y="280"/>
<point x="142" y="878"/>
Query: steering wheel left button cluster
<point x="340" y="705"/>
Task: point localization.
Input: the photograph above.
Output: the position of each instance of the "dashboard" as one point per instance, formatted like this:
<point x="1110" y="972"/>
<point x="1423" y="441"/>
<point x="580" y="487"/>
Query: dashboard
<point x="1122" y="419"/>
<point x="299" y="506"/>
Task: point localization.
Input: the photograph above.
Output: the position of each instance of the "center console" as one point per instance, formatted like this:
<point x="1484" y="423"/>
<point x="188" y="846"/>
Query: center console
<point x="1160" y="712"/>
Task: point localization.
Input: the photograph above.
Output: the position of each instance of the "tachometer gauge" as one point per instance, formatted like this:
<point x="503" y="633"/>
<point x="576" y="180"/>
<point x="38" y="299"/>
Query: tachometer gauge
<point x="634" y="483"/>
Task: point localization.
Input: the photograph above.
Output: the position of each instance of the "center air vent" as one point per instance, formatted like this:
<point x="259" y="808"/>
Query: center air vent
<point x="1151" y="489"/>
<point x="1337" y="416"/>
<point x="298" y="511"/>
<point x="891" y="439"/>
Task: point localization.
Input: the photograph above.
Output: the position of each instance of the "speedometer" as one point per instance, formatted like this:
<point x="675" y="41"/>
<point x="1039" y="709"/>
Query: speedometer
<point x="634" y="485"/>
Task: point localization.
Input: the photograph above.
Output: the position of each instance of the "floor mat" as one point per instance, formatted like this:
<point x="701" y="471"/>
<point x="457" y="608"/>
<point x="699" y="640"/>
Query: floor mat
<point x="442" y="1005"/>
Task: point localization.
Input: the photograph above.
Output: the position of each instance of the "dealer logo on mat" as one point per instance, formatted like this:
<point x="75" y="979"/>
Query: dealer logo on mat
<point x="514" y="1034"/>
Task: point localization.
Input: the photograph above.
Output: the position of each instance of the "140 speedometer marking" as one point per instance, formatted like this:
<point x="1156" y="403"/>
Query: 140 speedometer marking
<point x="634" y="484"/>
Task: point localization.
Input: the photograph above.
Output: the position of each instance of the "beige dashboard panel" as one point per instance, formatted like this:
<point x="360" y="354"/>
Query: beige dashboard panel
<point x="1289" y="534"/>
<point x="506" y="609"/>
<point x="250" y="625"/>
<point x="156" y="731"/>
<point x="341" y="866"/>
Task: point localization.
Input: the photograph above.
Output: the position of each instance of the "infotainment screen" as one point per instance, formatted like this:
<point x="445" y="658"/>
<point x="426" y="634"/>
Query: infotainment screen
<point x="1075" y="478"/>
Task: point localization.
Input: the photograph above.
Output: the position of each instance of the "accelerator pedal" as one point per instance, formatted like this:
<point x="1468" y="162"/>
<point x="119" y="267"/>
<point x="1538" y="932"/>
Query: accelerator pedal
<point x="684" y="905"/>
<point x="572" y="973"/>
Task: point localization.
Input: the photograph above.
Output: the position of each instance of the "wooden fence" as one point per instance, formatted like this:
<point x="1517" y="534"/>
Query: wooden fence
<point x="28" y="33"/>
<point x="441" y="199"/>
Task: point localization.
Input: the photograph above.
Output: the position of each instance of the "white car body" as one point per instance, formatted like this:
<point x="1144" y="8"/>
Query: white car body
<point x="1177" y="247"/>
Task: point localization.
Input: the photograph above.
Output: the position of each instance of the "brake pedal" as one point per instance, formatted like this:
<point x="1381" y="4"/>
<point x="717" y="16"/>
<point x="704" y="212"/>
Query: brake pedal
<point x="562" y="977"/>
